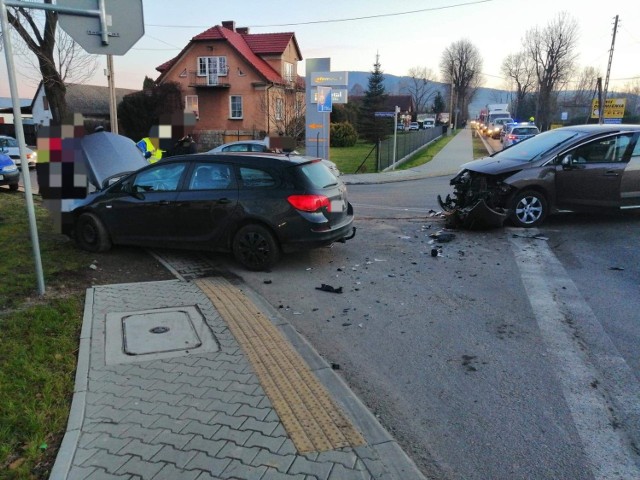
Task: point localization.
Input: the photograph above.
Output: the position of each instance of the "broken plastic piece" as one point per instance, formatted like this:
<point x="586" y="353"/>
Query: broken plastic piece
<point x="328" y="288"/>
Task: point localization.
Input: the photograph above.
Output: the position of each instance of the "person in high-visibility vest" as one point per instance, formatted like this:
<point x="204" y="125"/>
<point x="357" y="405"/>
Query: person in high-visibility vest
<point x="149" y="151"/>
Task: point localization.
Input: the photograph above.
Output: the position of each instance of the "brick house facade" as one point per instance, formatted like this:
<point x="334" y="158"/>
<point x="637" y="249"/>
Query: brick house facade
<point x="240" y="85"/>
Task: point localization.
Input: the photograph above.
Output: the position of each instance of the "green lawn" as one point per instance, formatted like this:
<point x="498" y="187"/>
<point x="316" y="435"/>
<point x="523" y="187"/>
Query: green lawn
<point x="348" y="159"/>
<point x="38" y="340"/>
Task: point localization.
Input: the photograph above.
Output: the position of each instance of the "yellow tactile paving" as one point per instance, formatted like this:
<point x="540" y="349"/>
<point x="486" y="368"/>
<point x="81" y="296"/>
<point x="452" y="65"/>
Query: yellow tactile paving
<point x="312" y="419"/>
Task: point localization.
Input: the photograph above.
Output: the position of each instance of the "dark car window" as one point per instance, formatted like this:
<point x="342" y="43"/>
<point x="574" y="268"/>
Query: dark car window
<point x="211" y="176"/>
<point x="606" y="150"/>
<point x="256" y="178"/>
<point x="525" y="131"/>
<point x="245" y="147"/>
<point x="162" y="178"/>
<point x="539" y="145"/>
<point x="318" y="174"/>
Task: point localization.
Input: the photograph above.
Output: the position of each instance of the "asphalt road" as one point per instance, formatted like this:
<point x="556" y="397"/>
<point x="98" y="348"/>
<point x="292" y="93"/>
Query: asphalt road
<point x="504" y="357"/>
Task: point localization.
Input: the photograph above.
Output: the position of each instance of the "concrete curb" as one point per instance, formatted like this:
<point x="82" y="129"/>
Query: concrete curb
<point x="67" y="450"/>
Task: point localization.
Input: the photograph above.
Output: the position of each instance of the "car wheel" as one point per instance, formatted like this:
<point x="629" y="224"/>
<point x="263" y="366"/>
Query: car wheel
<point x="255" y="247"/>
<point x="528" y="209"/>
<point x="91" y="234"/>
<point x="13" y="186"/>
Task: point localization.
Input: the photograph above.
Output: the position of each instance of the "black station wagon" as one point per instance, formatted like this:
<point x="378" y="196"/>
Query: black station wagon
<point x="255" y="205"/>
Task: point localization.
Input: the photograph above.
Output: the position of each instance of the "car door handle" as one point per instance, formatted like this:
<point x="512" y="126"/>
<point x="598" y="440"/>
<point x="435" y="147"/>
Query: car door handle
<point x="223" y="201"/>
<point x="164" y="202"/>
<point x="611" y="173"/>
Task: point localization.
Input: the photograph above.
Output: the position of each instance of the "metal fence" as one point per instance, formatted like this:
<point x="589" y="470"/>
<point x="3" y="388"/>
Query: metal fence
<point x="406" y="144"/>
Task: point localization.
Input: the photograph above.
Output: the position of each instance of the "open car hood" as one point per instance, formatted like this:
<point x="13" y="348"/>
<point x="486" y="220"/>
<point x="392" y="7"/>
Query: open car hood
<point x="107" y="154"/>
<point x="494" y="166"/>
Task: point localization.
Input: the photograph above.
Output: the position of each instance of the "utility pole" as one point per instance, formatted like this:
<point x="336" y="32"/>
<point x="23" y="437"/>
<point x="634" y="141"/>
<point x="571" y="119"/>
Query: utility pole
<point x="600" y="105"/>
<point x="451" y="104"/>
<point x="606" y="82"/>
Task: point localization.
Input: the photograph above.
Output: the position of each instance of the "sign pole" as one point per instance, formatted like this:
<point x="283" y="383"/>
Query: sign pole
<point x="113" y="111"/>
<point x="17" y="119"/>
<point x="395" y="136"/>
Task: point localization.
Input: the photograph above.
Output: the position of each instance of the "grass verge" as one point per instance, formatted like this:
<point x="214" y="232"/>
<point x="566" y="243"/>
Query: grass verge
<point x="38" y="339"/>
<point x="479" y="148"/>
<point x="426" y="155"/>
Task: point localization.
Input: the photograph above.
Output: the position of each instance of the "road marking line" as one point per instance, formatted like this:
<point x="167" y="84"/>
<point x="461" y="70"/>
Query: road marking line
<point x="309" y="415"/>
<point x="607" y="450"/>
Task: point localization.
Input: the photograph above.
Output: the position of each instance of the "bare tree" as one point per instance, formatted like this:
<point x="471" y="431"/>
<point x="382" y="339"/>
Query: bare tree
<point x="585" y="86"/>
<point x="519" y="69"/>
<point x="57" y="56"/>
<point x="552" y="50"/>
<point x="284" y="108"/>
<point x="421" y="86"/>
<point x="461" y="67"/>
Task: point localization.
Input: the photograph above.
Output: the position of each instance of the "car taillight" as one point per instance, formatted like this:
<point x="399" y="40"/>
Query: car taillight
<point x="511" y="137"/>
<point x="309" y="203"/>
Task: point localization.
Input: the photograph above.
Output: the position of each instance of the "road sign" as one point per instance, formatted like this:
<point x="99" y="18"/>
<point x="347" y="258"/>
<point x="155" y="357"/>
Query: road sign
<point x="124" y="25"/>
<point x="384" y="114"/>
<point x="324" y="99"/>
<point x="330" y="79"/>
<point x="613" y="108"/>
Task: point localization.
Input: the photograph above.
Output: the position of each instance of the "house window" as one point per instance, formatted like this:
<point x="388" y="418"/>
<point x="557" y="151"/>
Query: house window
<point x="288" y="71"/>
<point x="235" y="107"/>
<point x="191" y="105"/>
<point x="279" y="108"/>
<point x="212" y="68"/>
<point x="45" y="103"/>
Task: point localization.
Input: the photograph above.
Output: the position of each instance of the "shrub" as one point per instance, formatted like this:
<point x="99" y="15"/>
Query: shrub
<point x="343" y="135"/>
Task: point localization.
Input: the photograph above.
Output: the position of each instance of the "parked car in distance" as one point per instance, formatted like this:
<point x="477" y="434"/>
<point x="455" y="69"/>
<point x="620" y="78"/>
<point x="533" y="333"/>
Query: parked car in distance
<point x="582" y="167"/>
<point x="12" y="148"/>
<point x="9" y="173"/>
<point x="255" y="205"/>
<point x="429" y="123"/>
<point x="414" y="126"/>
<point x="518" y="132"/>
<point x="242" y="146"/>
<point x="400" y="127"/>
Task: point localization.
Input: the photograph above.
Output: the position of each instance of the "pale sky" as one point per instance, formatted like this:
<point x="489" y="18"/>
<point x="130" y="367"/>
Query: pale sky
<point x="405" y="34"/>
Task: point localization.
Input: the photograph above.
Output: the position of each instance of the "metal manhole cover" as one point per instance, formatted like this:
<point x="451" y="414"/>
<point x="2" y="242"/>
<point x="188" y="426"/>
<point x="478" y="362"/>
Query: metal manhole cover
<point x="157" y="334"/>
<point x="159" y="331"/>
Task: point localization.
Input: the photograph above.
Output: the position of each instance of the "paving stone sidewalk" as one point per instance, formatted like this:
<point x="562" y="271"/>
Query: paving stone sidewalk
<point x="198" y="415"/>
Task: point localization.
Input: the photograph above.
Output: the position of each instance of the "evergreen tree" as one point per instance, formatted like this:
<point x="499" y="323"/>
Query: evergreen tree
<point x="438" y="104"/>
<point x="374" y="128"/>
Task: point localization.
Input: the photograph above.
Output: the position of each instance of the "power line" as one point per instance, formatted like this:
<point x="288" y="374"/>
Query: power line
<point x="337" y="20"/>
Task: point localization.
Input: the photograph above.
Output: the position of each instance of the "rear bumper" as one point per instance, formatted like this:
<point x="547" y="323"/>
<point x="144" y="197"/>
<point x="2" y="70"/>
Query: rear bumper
<point x="318" y="237"/>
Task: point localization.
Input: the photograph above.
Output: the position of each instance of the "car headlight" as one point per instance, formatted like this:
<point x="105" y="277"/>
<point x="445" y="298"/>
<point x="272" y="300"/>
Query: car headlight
<point x="9" y="169"/>
<point x="31" y="155"/>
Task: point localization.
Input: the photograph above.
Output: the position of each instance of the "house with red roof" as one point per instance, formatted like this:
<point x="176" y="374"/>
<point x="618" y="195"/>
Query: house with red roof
<point x="239" y="84"/>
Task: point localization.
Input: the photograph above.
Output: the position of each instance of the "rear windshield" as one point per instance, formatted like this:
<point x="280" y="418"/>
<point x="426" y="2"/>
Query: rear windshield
<point x="536" y="147"/>
<point x="525" y="131"/>
<point x="318" y="174"/>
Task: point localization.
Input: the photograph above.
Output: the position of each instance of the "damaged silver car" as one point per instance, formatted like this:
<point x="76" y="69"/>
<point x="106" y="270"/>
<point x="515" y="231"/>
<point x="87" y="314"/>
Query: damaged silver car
<point x="583" y="167"/>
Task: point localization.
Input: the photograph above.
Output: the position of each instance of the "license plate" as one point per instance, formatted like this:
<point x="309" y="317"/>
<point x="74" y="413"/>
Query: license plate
<point x="338" y="205"/>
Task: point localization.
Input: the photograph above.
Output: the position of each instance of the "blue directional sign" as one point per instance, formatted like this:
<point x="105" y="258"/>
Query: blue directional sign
<point x="385" y="114"/>
<point x="324" y="99"/>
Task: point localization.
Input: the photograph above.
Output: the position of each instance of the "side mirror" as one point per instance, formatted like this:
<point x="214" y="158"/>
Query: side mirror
<point x="567" y="161"/>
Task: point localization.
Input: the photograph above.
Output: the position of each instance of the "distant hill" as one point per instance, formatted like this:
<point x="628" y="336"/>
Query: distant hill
<point x="5" y="102"/>
<point x="393" y="86"/>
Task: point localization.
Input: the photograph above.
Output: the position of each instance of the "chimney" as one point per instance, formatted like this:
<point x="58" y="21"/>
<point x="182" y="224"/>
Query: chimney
<point x="243" y="30"/>
<point x="229" y="25"/>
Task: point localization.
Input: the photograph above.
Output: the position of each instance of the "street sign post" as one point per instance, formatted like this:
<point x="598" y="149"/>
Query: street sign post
<point x="109" y="28"/>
